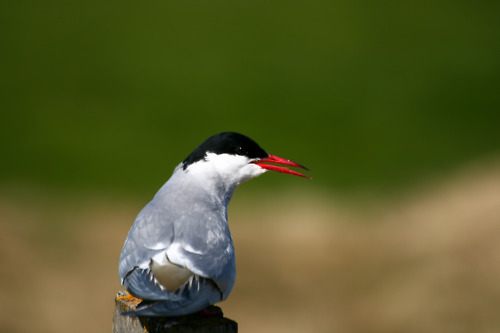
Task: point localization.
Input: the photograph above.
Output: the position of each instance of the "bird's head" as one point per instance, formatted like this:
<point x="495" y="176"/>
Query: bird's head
<point x="235" y="158"/>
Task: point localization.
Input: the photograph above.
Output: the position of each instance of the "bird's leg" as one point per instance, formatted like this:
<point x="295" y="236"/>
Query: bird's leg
<point x="126" y="297"/>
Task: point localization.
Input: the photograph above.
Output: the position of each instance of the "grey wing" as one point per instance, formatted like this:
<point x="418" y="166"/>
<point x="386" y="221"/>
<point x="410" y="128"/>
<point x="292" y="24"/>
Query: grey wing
<point x="209" y="251"/>
<point x="194" y="296"/>
<point x="196" y="238"/>
<point x="149" y="235"/>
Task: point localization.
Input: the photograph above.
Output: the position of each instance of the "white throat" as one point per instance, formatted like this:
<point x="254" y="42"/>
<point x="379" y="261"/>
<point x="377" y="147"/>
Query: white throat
<point x="223" y="172"/>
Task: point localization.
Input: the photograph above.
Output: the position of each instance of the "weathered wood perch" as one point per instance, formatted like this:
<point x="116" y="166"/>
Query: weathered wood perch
<point x="214" y="322"/>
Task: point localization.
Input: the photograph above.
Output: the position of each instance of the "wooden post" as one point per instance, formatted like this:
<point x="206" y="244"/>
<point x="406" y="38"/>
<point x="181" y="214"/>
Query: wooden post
<point x="212" y="320"/>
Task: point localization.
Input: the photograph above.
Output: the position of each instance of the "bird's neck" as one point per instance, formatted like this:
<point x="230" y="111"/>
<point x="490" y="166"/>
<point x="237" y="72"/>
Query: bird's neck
<point x="212" y="189"/>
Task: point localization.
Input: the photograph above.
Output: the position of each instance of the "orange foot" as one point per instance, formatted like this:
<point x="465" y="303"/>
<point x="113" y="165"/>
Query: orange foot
<point x="126" y="297"/>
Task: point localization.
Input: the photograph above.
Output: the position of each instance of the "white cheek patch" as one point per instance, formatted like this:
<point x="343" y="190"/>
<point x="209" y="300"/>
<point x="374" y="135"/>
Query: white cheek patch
<point x="226" y="163"/>
<point x="250" y="171"/>
<point x="233" y="169"/>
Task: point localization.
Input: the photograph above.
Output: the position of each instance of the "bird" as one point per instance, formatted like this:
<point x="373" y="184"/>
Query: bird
<point x="178" y="257"/>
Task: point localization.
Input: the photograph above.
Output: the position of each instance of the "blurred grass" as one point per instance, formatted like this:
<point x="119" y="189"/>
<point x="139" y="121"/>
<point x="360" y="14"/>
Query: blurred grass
<point x="110" y="96"/>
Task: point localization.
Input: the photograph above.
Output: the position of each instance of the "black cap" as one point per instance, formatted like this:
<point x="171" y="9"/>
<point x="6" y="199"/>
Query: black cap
<point x="226" y="143"/>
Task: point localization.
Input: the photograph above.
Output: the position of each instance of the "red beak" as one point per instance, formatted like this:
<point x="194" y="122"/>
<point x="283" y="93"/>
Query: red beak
<point x="281" y="161"/>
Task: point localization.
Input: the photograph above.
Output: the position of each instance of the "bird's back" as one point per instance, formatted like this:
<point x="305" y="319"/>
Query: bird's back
<point x="189" y="225"/>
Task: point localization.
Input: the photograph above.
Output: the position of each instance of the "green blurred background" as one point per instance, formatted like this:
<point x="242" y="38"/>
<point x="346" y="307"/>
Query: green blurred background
<point x="398" y="100"/>
<point x="111" y="95"/>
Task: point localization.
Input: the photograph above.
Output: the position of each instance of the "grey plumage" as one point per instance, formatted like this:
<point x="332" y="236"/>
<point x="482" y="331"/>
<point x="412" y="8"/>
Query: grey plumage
<point x="179" y="256"/>
<point x="166" y="225"/>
